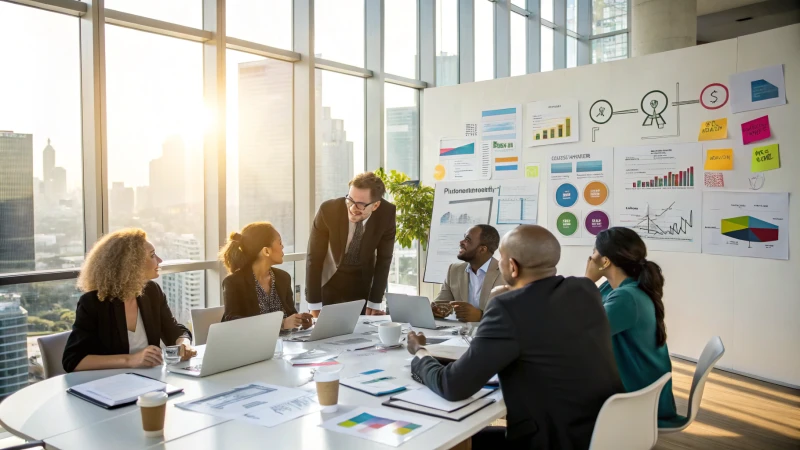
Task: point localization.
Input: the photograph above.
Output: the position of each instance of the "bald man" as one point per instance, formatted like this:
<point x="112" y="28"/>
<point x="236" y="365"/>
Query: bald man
<point x="549" y="341"/>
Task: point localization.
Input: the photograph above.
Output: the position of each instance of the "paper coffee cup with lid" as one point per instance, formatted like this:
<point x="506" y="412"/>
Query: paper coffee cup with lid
<point x="327" y="379"/>
<point x="153" y="406"/>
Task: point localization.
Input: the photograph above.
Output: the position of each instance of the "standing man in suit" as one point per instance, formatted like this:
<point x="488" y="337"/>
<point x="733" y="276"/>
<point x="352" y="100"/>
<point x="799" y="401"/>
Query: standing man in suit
<point x="549" y="341"/>
<point x="468" y="284"/>
<point x="351" y="246"/>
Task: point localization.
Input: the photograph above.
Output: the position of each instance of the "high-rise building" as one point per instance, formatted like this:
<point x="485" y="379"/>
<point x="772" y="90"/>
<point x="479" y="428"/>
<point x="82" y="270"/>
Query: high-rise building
<point x="17" y="250"/>
<point x="266" y="156"/>
<point x="143" y="199"/>
<point x="402" y="140"/>
<point x="185" y="290"/>
<point x="121" y="198"/>
<point x="168" y="176"/>
<point x="446" y="69"/>
<point x="54" y="179"/>
<point x="334" y="153"/>
<point x="13" y="345"/>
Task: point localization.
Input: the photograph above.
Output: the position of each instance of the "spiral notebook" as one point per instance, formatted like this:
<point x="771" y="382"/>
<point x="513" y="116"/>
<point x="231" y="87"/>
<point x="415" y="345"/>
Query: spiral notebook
<point x="119" y="390"/>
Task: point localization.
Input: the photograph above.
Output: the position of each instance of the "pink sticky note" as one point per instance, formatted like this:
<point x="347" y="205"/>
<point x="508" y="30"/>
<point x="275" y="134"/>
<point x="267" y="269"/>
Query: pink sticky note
<point x="755" y="130"/>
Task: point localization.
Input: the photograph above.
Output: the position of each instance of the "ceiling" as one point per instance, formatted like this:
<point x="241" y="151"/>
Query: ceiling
<point x="726" y="19"/>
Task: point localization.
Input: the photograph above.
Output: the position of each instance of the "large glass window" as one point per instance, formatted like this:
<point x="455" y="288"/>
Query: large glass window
<point x="572" y="52"/>
<point x="340" y="133"/>
<point x="41" y="175"/>
<point x="547" y="49"/>
<point x="519" y="44"/>
<point x="609" y="15"/>
<point x="182" y="12"/>
<point x="260" y="154"/>
<point x="520" y="3"/>
<point x="484" y="40"/>
<point x="572" y="15"/>
<point x="339" y="31"/>
<point x="446" y="42"/>
<point x="156" y="123"/>
<point x="610" y="48"/>
<point x="547" y="9"/>
<point x="267" y="22"/>
<point x="185" y="291"/>
<point x="400" y="38"/>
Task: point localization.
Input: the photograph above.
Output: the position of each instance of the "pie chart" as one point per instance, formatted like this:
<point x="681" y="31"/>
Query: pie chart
<point x="750" y="229"/>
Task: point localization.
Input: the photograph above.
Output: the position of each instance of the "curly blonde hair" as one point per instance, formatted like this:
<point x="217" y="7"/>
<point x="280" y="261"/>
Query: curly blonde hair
<point x="115" y="266"/>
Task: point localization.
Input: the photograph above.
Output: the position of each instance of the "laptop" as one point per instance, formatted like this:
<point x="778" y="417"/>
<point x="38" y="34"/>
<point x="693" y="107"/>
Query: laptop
<point x="334" y="320"/>
<point x="413" y="310"/>
<point x="223" y="349"/>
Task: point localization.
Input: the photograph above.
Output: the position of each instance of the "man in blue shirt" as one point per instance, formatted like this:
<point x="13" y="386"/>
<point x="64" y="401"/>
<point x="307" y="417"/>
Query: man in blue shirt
<point x="468" y="285"/>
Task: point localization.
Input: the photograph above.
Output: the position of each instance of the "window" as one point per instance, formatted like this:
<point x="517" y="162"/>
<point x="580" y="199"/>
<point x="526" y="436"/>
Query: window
<point x="484" y="40"/>
<point x="156" y="122"/>
<point x="547" y="49"/>
<point x="339" y="31"/>
<point x="572" y="15"/>
<point x="260" y="153"/>
<point x="547" y="9"/>
<point x="267" y="22"/>
<point x="185" y="291"/>
<point x="520" y="3"/>
<point x="446" y="42"/>
<point x="609" y="15"/>
<point x="518" y="44"/>
<point x="340" y="133"/>
<point x="610" y="48"/>
<point x="182" y="12"/>
<point x="401" y="130"/>
<point x="41" y="167"/>
<point x="572" y="52"/>
<point x="400" y="38"/>
<point x="28" y="311"/>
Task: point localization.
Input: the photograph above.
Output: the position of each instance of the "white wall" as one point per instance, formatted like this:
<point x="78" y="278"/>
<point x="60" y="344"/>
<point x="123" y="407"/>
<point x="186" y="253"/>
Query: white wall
<point x="752" y="304"/>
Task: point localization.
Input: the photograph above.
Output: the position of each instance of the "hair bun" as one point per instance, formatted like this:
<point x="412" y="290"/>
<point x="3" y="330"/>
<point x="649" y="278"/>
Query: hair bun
<point x="236" y="237"/>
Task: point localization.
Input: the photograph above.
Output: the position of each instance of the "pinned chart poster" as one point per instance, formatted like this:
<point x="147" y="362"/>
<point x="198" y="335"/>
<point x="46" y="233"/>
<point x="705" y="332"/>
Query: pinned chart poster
<point x="462" y="159"/>
<point x="658" y="196"/>
<point x="757" y="89"/>
<point x="746" y="224"/>
<point x="380" y="425"/>
<point x="501" y="124"/>
<point x="579" y="185"/>
<point x="506" y="160"/>
<point x="553" y="122"/>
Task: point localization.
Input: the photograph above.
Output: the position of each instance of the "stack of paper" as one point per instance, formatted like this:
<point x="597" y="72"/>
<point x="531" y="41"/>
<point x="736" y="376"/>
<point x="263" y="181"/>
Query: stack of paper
<point x="375" y="382"/>
<point x="116" y="390"/>
<point x="379" y="425"/>
<point x="316" y="357"/>
<point x="427" y="402"/>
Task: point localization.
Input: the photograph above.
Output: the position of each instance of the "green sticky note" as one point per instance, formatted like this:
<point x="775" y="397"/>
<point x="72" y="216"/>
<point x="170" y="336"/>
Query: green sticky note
<point x="532" y="171"/>
<point x="767" y="157"/>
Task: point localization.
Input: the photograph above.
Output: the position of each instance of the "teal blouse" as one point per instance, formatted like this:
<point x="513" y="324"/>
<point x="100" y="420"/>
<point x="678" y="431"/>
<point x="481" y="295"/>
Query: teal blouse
<point x="632" y="317"/>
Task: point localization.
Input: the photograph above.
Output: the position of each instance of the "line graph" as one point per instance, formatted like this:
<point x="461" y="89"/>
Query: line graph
<point x="668" y="223"/>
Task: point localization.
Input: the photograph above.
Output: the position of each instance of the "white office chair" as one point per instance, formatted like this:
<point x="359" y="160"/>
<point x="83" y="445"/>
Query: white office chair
<point x="202" y="319"/>
<point x="711" y="354"/>
<point x="629" y="421"/>
<point x="52" y="349"/>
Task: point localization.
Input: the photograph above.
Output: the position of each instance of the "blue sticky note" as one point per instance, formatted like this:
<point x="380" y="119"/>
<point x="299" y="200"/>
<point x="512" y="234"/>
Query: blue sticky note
<point x="762" y="90"/>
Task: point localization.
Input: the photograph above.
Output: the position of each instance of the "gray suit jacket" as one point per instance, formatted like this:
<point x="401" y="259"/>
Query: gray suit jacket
<point x="456" y="284"/>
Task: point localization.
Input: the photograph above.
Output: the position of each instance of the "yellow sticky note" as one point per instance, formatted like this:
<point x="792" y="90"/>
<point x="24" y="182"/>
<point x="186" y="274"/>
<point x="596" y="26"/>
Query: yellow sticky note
<point x="767" y="157"/>
<point x="721" y="159"/>
<point x="532" y="171"/>
<point x="714" y="129"/>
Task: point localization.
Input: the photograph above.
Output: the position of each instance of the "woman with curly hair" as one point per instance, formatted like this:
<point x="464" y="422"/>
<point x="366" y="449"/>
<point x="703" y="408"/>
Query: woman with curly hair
<point x="254" y="285"/>
<point x="123" y="315"/>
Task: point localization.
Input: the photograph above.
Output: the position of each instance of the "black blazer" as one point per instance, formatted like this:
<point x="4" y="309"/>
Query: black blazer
<point x="100" y="327"/>
<point x="550" y="344"/>
<point x="330" y="230"/>
<point x="240" y="298"/>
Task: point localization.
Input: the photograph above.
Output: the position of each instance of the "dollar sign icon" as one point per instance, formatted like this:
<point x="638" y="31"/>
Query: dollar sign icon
<point x="714" y="96"/>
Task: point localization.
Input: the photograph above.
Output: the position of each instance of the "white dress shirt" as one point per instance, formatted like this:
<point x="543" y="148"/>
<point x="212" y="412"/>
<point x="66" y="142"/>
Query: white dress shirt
<point x="476" y="283"/>
<point x="351" y="231"/>
<point x="137" y="340"/>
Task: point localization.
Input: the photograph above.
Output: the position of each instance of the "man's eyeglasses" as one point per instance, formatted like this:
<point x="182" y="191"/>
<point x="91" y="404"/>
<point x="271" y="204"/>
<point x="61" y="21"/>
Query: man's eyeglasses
<point x="358" y="205"/>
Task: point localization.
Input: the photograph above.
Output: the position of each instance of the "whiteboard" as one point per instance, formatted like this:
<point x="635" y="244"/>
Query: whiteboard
<point x="752" y="304"/>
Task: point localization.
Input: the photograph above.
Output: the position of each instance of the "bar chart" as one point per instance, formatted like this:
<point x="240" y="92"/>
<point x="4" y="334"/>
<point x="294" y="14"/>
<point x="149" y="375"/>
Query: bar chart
<point x="553" y="122"/>
<point x="670" y="179"/>
<point x="554" y="129"/>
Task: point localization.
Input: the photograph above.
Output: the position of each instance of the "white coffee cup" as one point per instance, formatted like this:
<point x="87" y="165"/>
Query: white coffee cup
<point x="153" y="406"/>
<point x="389" y="333"/>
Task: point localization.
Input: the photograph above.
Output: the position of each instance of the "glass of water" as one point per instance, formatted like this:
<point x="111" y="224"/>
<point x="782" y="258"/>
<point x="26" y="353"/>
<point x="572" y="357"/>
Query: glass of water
<point x="172" y="354"/>
<point x="278" y="349"/>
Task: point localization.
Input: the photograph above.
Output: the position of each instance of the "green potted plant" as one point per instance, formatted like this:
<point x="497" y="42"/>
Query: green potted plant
<point x="414" y="203"/>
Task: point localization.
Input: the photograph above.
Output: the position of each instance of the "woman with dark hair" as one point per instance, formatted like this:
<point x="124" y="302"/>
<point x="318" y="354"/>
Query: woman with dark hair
<point x="254" y="285"/>
<point x="632" y="297"/>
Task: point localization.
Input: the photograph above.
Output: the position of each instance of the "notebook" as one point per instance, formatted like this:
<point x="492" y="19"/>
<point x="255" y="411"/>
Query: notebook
<point x="456" y="416"/>
<point x="374" y="382"/>
<point x="119" y="390"/>
<point x="428" y="399"/>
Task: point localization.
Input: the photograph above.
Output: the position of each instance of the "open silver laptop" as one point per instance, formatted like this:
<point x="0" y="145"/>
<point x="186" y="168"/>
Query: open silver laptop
<point x="334" y="320"/>
<point x="224" y="347"/>
<point x="413" y="310"/>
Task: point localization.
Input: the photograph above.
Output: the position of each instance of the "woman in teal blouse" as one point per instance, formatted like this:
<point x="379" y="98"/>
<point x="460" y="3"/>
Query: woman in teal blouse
<point x="632" y="298"/>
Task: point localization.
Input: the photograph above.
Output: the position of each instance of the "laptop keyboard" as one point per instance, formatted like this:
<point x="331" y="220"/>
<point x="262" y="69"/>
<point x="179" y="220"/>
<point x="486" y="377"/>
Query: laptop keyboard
<point x="195" y="368"/>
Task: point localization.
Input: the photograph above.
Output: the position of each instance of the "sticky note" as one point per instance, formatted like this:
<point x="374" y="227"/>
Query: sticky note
<point x="721" y="159"/>
<point x="714" y="129"/>
<point x="531" y="171"/>
<point x="767" y="157"/>
<point x="755" y="130"/>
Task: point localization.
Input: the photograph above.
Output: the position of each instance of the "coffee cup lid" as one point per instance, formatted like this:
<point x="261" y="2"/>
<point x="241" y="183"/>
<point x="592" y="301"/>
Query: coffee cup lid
<point x="152" y="399"/>
<point x="328" y="373"/>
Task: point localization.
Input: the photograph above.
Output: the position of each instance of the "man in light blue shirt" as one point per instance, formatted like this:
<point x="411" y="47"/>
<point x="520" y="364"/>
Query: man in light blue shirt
<point x="468" y="285"/>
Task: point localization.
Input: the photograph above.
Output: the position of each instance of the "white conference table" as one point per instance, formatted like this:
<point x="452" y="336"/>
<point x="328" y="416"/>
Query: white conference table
<point x="44" y="411"/>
